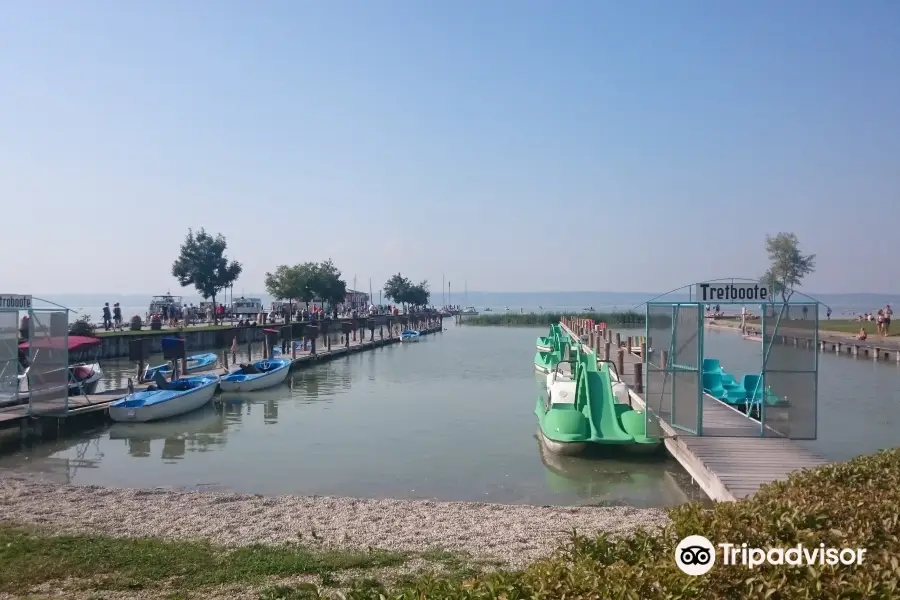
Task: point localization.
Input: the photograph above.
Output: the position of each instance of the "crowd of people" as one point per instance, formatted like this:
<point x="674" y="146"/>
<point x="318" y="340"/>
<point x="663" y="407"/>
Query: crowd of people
<point x="882" y="320"/>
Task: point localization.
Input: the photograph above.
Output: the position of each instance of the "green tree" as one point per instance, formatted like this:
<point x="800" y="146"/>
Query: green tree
<point x="203" y="264"/>
<point x="397" y="288"/>
<point x="328" y="285"/>
<point x="287" y="283"/>
<point x="308" y="276"/>
<point x="787" y="264"/>
<point x="419" y="294"/>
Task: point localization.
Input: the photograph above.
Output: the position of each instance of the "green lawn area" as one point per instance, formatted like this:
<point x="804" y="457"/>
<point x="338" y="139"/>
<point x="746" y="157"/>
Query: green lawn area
<point x="30" y="557"/>
<point x="846" y="326"/>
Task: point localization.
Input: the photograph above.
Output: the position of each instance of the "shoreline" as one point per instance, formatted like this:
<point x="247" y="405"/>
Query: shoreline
<point x="512" y="535"/>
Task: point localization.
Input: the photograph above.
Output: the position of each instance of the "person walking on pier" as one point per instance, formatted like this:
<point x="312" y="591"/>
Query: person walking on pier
<point x="888" y="313"/>
<point x="107" y="317"/>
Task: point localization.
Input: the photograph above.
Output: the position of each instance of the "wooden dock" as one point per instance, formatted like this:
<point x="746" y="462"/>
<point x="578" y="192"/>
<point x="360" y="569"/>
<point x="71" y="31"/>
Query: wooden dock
<point x="732" y="459"/>
<point x="13" y="416"/>
<point x="882" y="349"/>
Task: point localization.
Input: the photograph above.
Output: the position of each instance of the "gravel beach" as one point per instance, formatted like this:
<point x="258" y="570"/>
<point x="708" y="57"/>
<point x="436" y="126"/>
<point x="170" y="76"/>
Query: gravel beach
<point x="512" y="534"/>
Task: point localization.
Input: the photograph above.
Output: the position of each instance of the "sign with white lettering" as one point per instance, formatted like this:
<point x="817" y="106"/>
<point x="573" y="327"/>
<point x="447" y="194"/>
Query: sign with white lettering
<point x="731" y="293"/>
<point x="15" y="302"/>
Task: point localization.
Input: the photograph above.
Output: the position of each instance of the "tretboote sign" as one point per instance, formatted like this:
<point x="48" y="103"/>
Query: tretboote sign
<point x="15" y="302"/>
<point x="734" y="293"/>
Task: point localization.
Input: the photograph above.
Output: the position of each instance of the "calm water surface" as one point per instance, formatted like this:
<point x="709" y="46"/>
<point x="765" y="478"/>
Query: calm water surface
<point x="449" y="418"/>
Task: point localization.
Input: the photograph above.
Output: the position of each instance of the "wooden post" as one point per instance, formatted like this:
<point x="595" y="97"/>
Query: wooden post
<point x="249" y="346"/>
<point x="140" y="376"/>
<point x="606" y="346"/>
<point x="664" y="361"/>
<point x="620" y="363"/>
<point x="265" y="351"/>
<point x="618" y="340"/>
<point x="630" y="345"/>
<point x="639" y="378"/>
<point x="591" y="339"/>
<point x="877" y="353"/>
<point x="225" y="358"/>
<point x="644" y="356"/>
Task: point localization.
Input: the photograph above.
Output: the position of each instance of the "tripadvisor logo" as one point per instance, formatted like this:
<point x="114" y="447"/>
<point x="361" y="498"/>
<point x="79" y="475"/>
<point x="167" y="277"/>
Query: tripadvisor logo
<point x="696" y="555"/>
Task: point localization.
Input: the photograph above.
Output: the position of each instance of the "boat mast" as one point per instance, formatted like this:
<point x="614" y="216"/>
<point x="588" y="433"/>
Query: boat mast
<point x="443" y="289"/>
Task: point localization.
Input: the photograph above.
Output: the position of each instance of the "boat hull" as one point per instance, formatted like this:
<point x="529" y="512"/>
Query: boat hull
<point x="408" y="337"/>
<point x="182" y="404"/>
<point x="195" y="363"/>
<point x="255" y="383"/>
<point x="563" y="448"/>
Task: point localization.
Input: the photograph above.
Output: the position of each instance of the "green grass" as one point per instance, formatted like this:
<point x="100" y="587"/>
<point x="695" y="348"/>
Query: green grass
<point x="30" y="556"/>
<point x="846" y="326"/>
<point x="511" y="319"/>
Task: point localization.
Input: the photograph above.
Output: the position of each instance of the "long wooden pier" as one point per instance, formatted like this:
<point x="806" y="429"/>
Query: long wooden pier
<point x="20" y="418"/>
<point x="732" y="459"/>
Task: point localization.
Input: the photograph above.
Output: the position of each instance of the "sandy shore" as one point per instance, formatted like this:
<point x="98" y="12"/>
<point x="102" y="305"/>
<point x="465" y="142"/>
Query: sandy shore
<point x="513" y="534"/>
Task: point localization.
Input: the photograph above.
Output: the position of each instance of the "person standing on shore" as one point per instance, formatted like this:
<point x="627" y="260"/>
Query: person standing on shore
<point x="888" y="313"/>
<point x="117" y="316"/>
<point x="107" y="317"/>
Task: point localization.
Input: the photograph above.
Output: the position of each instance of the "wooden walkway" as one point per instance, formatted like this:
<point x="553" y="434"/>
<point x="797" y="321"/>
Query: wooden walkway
<point x="731" y="460"/>
<point x="101" y="400"/>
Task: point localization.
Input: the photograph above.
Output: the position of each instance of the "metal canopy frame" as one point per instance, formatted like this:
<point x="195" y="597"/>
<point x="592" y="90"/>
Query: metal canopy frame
<point x="784" y="402"/>
<point x="45" y="374"/>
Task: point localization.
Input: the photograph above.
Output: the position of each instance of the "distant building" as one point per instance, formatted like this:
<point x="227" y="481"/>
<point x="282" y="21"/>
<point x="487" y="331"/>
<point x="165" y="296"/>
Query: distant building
<point x="356" y="299"/>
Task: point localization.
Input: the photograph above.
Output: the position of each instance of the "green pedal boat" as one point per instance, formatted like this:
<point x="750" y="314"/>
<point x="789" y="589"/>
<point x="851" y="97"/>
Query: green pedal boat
<point x="579" y="408"/>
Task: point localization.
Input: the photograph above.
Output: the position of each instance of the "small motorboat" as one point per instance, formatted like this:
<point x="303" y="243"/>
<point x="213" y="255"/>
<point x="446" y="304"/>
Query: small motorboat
<point x="257" y="376"/>
<point x="469" y="311"/>
<point x="194" y="363"/>
<point x="276" y="351"/>
<point x="408" y="335"/>
<point x="165" y="399"/>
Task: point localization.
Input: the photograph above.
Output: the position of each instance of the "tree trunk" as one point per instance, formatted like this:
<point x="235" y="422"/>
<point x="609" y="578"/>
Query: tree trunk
<point x="215" y="312"/>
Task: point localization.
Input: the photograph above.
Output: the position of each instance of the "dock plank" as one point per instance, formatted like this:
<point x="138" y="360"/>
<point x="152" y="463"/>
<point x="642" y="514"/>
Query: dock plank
<point x="733" y="457"/>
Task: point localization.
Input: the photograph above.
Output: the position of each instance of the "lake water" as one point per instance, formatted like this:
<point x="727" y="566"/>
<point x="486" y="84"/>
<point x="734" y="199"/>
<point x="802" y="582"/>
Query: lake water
<point x="449" y="418"/>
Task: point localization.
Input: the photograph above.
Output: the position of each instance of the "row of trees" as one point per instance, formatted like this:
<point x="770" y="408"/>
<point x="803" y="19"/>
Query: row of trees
<point x="203" y="264"/>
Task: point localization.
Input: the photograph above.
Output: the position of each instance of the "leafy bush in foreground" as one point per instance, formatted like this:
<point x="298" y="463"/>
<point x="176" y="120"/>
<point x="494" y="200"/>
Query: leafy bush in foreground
<point x="627" y="319"/>
<point x="853" y="504"/>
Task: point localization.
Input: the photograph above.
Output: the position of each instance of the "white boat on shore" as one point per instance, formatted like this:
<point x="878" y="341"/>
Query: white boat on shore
<point x="259" y="375"/>
<point x="165" y="399"/>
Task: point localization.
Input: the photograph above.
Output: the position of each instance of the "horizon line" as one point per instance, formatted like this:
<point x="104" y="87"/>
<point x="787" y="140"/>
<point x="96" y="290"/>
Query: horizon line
<point x="518" y="292"/>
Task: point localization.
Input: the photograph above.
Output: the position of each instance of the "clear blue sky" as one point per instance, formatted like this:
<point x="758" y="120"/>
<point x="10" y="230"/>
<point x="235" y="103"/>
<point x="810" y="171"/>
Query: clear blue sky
<point x="450" y="137"/>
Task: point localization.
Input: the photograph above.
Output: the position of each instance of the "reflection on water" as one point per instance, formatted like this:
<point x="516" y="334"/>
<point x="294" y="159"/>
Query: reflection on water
<point x="199" y="431"/>
<point x="448" y="418"/>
